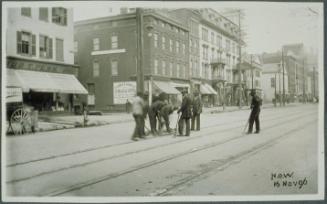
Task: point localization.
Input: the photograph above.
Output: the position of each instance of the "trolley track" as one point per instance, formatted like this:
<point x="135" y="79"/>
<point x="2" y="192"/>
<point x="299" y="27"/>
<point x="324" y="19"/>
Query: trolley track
<point x="149" y="164"/>
<point x="207" y="134"/>
<point x="119" y="144"/>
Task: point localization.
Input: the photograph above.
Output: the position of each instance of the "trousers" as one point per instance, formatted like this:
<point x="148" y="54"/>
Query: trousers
<point x="254" y="118"/>
<point x="195" y="121"/>
<point x="181" y="126"/>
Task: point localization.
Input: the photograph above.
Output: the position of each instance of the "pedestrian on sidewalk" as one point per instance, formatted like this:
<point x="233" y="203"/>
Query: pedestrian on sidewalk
<point x="138" y="105"/>
<point x="186" y="114"/>
<point x="255" y="112"/>
<point x="196" y="111"/>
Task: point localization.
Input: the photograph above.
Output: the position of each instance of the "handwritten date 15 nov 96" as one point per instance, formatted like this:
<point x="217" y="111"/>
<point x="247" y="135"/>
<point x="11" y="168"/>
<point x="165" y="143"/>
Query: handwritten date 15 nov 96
<point x="286" y="179"/>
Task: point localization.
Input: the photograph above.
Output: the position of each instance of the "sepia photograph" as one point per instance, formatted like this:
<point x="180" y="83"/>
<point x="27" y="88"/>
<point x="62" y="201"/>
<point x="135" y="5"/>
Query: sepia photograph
<point x="158" y="101"/>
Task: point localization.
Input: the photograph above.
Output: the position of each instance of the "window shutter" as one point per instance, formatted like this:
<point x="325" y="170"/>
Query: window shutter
<point x="33" y="45"/>
<point x="50" y="47"/>
<point x="19" y="42"/>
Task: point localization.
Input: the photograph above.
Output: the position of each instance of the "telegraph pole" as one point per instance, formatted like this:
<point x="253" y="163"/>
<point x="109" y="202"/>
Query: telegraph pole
<point x="275" y="104"/>
<point x="240" y="60"/>
<point x="314" y="83"/>
<point x="279" y="91"/>
<point x="283" y="77"/>
<point x="303" y="84"/>
<point x="252" y="72"/>
<point x="139" y="67"/>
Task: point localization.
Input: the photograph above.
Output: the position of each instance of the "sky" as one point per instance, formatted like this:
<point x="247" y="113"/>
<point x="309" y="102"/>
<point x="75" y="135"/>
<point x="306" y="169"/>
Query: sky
<point x="268" y="25"/>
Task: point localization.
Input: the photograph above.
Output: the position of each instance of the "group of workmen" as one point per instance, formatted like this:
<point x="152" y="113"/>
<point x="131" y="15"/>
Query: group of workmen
<point x="188" y="112"/>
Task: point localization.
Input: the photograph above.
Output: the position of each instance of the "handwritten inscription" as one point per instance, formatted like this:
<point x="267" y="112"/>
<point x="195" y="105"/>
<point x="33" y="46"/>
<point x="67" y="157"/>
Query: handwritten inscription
<point x="287" y="179"/>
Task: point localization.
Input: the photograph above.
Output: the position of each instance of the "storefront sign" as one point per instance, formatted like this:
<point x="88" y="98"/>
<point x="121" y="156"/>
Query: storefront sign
<point x="124" y="91"/>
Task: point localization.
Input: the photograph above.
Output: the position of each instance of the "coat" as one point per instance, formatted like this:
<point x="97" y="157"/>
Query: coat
<point x="186" y="107"/>
<point x="197" y="105"/>
<point x="256" y="103"/>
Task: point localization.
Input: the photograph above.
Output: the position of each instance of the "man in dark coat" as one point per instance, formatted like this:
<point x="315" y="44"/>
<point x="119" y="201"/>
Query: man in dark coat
<point x="185" y="109"/>
<point x="154" y="114"/>
<point x="254" y="117"/>
<point x="196" y="110"/>
<point x="165" y="111"/>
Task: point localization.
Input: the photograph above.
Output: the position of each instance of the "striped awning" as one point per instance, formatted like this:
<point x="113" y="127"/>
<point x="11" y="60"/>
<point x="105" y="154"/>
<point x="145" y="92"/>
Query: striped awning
<point x="44" y="82"/>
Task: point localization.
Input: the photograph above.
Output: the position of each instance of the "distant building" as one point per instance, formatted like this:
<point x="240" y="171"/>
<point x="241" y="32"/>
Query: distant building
<point x="40" y="58"/>
<point x="272" y="83"/>
<point x="107" y="54"/>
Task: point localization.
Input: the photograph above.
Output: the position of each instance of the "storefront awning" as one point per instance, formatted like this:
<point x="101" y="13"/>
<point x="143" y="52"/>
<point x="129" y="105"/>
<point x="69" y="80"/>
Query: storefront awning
<point x="207" y="89"/>
<point x="45" y="82"/>
<point x="165" y="87"/>
<point x="211" y="89"/>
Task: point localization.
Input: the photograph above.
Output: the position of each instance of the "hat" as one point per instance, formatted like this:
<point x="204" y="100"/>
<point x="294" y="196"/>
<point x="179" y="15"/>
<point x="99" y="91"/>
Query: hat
<point x="252" y="92"/>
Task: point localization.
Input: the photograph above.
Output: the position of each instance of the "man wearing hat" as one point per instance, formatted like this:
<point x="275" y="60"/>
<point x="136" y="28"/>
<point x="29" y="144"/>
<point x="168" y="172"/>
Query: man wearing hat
<point x="254" y="117"/>
<point x="197" y="110"/>
<point x="185" y="109"/>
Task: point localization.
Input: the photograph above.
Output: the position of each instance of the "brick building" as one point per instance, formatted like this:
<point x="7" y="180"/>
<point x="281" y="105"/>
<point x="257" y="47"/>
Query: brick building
<point x="107" y="54"/>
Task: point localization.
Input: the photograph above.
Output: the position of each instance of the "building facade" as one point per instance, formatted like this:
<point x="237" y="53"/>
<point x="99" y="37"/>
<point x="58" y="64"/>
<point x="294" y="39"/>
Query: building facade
<point x="40" y="57"/>
<point x="107" y="55"/>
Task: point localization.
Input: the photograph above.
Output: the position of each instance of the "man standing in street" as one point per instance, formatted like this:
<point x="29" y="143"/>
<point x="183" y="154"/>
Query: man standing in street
<point x="254" y="117"/>
<point x="197" y="110"/>
<point x="138" y="105"/>
<point x="154" y="115"/>
<point x="185" y="109"/>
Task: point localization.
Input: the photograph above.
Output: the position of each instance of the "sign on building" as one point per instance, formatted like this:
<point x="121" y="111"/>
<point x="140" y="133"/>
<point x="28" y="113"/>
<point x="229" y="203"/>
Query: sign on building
<point x="123" y="91"/>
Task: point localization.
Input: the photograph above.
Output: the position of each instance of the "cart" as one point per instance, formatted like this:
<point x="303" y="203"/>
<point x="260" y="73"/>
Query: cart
<point x="18" y="114"/>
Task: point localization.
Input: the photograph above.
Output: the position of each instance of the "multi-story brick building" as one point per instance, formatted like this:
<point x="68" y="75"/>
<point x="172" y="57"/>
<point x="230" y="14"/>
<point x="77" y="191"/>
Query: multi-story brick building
<point x="107" y="54"/>
<point x="40" y="58"/>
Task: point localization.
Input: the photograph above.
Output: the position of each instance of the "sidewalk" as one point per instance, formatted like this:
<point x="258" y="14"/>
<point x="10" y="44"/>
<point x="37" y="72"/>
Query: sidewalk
<point x="48" y="123"/>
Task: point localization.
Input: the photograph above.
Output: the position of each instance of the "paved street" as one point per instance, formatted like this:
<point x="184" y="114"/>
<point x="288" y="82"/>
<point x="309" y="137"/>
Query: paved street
<point x="218" y="160"/>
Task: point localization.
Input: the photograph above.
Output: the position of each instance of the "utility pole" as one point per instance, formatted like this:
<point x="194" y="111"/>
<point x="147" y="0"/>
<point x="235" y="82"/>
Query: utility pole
<point x="279" y="91"/>
<point x="283" y="76"/>
<point x="275" y="104"/>
<point x="314" y="83"/>
<point x="240" y="59"/>
<point x="303" y="84"/>
<point x="139" y="67"/>
<point x="252" y="72"/>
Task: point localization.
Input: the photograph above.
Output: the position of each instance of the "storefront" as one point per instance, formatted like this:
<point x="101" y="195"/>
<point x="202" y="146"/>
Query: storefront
<point x="208" y="95"/>
<point x="47" y="91"/>
<point x="157" y="87"/>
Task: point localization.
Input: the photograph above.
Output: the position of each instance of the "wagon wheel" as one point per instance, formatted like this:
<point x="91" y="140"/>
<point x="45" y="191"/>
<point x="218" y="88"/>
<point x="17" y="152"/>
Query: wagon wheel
<point x="20" y="121"/>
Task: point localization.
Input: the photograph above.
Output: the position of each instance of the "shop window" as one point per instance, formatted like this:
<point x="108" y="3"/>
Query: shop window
<point x="26" y="43"/>
<point x="59" y="16"/>
<point x="59" y="50"/>
<point x="45" y="44"/>
<point x="43" y="14"/>
<point x="26" y="11"/>
<point x="114" y="68"/>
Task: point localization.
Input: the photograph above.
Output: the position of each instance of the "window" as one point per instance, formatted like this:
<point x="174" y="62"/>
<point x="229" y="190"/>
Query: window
<point x="162" y="24"/>
<point x="96" y="69"/>
<point x="75" y="46"/>
<point x="96" y="44"/>
<point x="191" y="45"/>
<point x="257" y="73"/>
<point x="212" y="38"/>
<point x="163" y="68"/>
<point x="170" y="45"/>
<point x="205" y="52"/>
<point x="183" y="48"/>
<point x="227" y="45"/>
<point x="43" y="14"/>
<point x="114" y="68"/>
<point x="25" y="11"/>
<point x="212" y="53"/>
<point x="155" y="66"/>
<point x="177" y="46"/>
<point x="257" y="83"/>
<point x="59" y="50"/>
<point x="59" y="16"/>
<point x="155" y="37"/>
<point x="204" y="34"/>
<point x="170" y="69"/>
<point x="91" y="97"/>
<point x="114" y="42"/>
<point x="163" y="42"/>
<point x="219" y="41"/>
<point x="177" y="70"/>
<point x="26" y="43"/>
<point x="272" y="82"/>
<point x="45" y="44"/>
